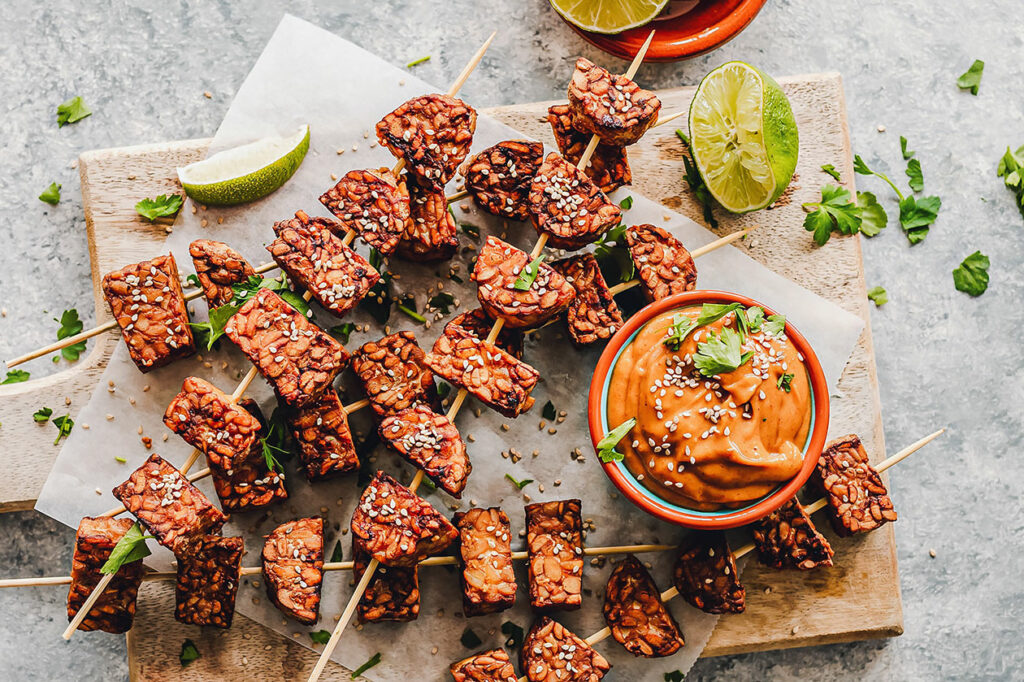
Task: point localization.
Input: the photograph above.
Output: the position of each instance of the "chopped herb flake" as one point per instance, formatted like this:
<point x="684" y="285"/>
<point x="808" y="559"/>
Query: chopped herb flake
<point x="416" y="62"/>
<point x="163" y="206"/>
<point x="72" y="111"/>
<point x="15" y="376"/>
<point x="64" y="425"/>
<point x="51" y="194"/>
<point x="971" y="79"/>
<point x="878" y="296"/>
<point x="831" y="170"/>
<point x="373" y="660"/>
<point x="469" y="639"/>
<point x="528" y="275"/>
<point x="606" y="446"/>
<point x="971" y="276"/>
<point x="42" y="415"/>
<point x="189" y="652"/>
<point x="549" y="412"/>
<point x="320" y="636"/>
<point x="519" y="484"/>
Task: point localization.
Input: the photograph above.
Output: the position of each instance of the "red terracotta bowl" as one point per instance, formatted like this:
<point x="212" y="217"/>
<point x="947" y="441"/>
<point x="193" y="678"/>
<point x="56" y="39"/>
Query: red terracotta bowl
<point x="648" y="500"/>
<point x="710" y="24"/>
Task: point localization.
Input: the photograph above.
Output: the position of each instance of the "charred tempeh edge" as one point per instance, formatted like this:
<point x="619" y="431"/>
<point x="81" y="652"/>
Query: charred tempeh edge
<point x="322" y="433"/>
<point x="218" y="269"/>
<point x="394" y="375"/>
<point x="114" y="611"/>
<point x="431" y="442"/>
<point x="608" y="166"/>
<point x="593" y="315"/>
<point x="787" y="538"/>
<point x="393" y="593"/>
<point x="554" y="541"/>
<point x="374" y="204"/>
<point x="635" y="614"/>
<point x="147" y="301"/>
<point x="208" y="581"/>
<point x="293" y="568"/>
<point x="251" y="484"/>
<point x="858" y="501"/>
<point x="705" y="574"/>
<point x="567" y="206"/>
<point x="485" y="552"/>
<point x="498" y="178"/>
<point x="612" y="107"/>
<point x="663" y="264"/>
<point x="492" y="665"/>
<point x="478" y="323"/>
<point x="551" y="653"/>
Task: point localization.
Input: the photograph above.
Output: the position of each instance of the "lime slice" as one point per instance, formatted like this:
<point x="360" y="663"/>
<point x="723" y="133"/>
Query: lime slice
<point x="246" y="173"/>
<point x="608" y="16"/>
<point x="743" y="137"/>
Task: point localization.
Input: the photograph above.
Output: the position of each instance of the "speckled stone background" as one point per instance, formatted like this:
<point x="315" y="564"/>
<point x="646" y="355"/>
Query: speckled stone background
<point x="943" y="358"/>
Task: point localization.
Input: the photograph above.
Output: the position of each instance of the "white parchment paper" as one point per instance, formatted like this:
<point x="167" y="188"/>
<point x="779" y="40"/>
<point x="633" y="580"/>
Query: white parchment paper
<point x="307" y="75"/>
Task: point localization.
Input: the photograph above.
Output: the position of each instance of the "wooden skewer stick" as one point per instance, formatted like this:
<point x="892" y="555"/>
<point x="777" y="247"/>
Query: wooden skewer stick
<point x="371" y="568"/>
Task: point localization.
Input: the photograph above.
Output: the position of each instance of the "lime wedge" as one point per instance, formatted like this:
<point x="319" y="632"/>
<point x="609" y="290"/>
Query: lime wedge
<point x="608" y="16"/>
<point x="743" y="137"/>
<point x="246" y="173"/>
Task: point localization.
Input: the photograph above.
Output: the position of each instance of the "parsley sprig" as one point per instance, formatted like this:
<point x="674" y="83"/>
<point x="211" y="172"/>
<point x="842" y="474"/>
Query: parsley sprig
<point x="696" y="182"/>
<point x="163" y="206"/>
<point x="721" y="353"/>
<point x="69" y="326"/>
<point x="917" y="214"/>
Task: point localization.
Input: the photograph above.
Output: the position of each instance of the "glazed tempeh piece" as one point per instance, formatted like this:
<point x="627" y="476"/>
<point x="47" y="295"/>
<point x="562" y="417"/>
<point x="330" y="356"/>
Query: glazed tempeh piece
<point x="393" y="374"/>
<point x="396" y="527"/>
<point x="298" y="359"/>
<point x="858" y="501"/>
<point x="432" y="133"/>
<point x="208" y="420"/>
<point x="487" y="666"/>
<point x="608" y="166"/>
<point x="497" y="270"/>
<point x="551" y="653"/>
<point x="173" y="510"/>
<point x="114" y="611"/>
<point x="293" y="568"/>
<point x="554" y="540"/>
<point x="705" y="574"/>
<point x="567" y="206"/>
<point x="496" y="378"/>
<point x="251" y="484"/>
<point x="787" y="538"/>
<point x="218" y="268"/>
<point x="374" y="204"/>
<point x="593" y="315"/>
<point x="393" y="593"/>
<point x="485" y="551"/>
<point x="431" y="442"/>
<point x="635" y="614"/>
<point x="612" y="107"/>
<point x="325" y="441"/>
<point x="477" y="323"/>
<point x="663" y="265"/>
<point x="499" y="177"/>
<point x="431" y="234"/>
<point x="208" y="581"/>
<point x="149" y="306"/>
<point x="336" y="276"/>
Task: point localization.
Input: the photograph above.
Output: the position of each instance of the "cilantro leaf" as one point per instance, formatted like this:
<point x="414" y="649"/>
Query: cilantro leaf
<point x="696" y="182"/>
<point x="836" y="212"/>
<point x="15" y="376"/>
<point x="51" y="194"/>
<point x="320" y="636"/>
<point x="207" y="333"/>
<point x="606" y="446"/>
<point x="407" y="305"/>
<point x="131" y="547"/>
<point x="245" y="290"/>
<point x="907" y="154"/>
<point x="626" y="203"/>
<point x="878" y="296"/>
<point x="416" y="62"/>
<point x="549" y="411"/>
<point x="514" y="633"/>
<point x="775" y="325"/>
<point x="1011" y="169"/>
<point x="443" y="389"/>
<point x="612" y="255"/>
<point x="519" y="484"/>
<point x="831" y="170"/>
<point x="64" y="425"/>
<point x="755" y="318"/>
<point x="164" y="205"/>
<point x="296" y="301"/>
<point x="917" y="214"/>
<point x="189" y="652"/>
<point x="677" y="332"/>
<point x="373" y="660"/>
<point x="873" y="218"/>
<point x="42" y="415"/>
<point x="785" y="381"/>
<point x="470" y="639"/>
<point x="720" y="353"/>
<point x="712" y="312"/>
<point x="342" y="331"/>
<point x="194" y="281"/>
<point x="916" y="177"/>
<point x="971" y="276"/>
<point x="528" y="275"/>
<point x="442" y="301"/>
<point x="674" y="676"/>
<point x="336" y="553"/>
<point x="72" y="111"/>
<point x="971" y="78"/>
<point x="69" y="326"/>
<point x="860" y="167"/>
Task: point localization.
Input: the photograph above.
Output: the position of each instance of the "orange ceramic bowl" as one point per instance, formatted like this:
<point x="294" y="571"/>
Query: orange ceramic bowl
<point x="680" y="35"/>
<point x="647" y="499"/>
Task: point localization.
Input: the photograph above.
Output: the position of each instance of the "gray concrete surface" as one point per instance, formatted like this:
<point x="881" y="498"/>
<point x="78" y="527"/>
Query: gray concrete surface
<point x="943" y="358"/>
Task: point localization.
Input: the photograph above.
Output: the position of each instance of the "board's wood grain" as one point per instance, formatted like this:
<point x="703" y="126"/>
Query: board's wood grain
<point x="857" y="599"/>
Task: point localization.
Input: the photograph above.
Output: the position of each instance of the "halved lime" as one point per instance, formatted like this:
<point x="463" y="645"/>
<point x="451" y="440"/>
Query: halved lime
<point x="246" y="173"/>
<point x="743" y="137"/>
<point x="608" y="16"/>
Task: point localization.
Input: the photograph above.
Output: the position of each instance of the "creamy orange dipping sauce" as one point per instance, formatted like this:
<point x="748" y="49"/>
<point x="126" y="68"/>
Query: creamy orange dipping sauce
<point x="710" y="443"/>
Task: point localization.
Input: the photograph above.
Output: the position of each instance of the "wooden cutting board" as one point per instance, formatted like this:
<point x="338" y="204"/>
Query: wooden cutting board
<point x="858" y="599"/>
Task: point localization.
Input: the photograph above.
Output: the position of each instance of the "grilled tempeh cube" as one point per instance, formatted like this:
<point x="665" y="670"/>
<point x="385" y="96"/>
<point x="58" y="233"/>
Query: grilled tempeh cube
<point x="478" y="323"/>
<point x="336" y="276"/>
<point x="858" y="501"/>
<point x="251" y="484"/>
<point x="393" y="593"/>
<point x="499" y="177"/>
<point x="567" y="206"/>
<point x="612" y="107"/>
<point x="149" y="306"/>
<point x="114" y="611"/>
<point x="374" y="204"/>
<point x="324" y="438"/>
<point x="173" y="510"/>
<point x="663" y="264"/>
<point x="293" y="568"/>
<point x="432" y="232"/>
<point x="496" y="378"/>
<point x="208" y="581"/>
<point x="705" y="574"/>
<point x="396" y="527"/>
<point x="218" y="268"/>
<point x="497" y="270"/>
<point x="487" y="666"/>
<point x="432" y="133"/>
<point x="608" y="166"/>
<point x="635" y="614"/>
<point x="593" y="315"/>
<point x="485" y="551"/>
<point x="787" y="538"/>
<point x="431" y="442"/>
<point x="393" y="374"/>
<point x="298" y="359"/>
<point x="554" y="541"/>
<point x="551" y="653"/>
<point x="208" y="420"/>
